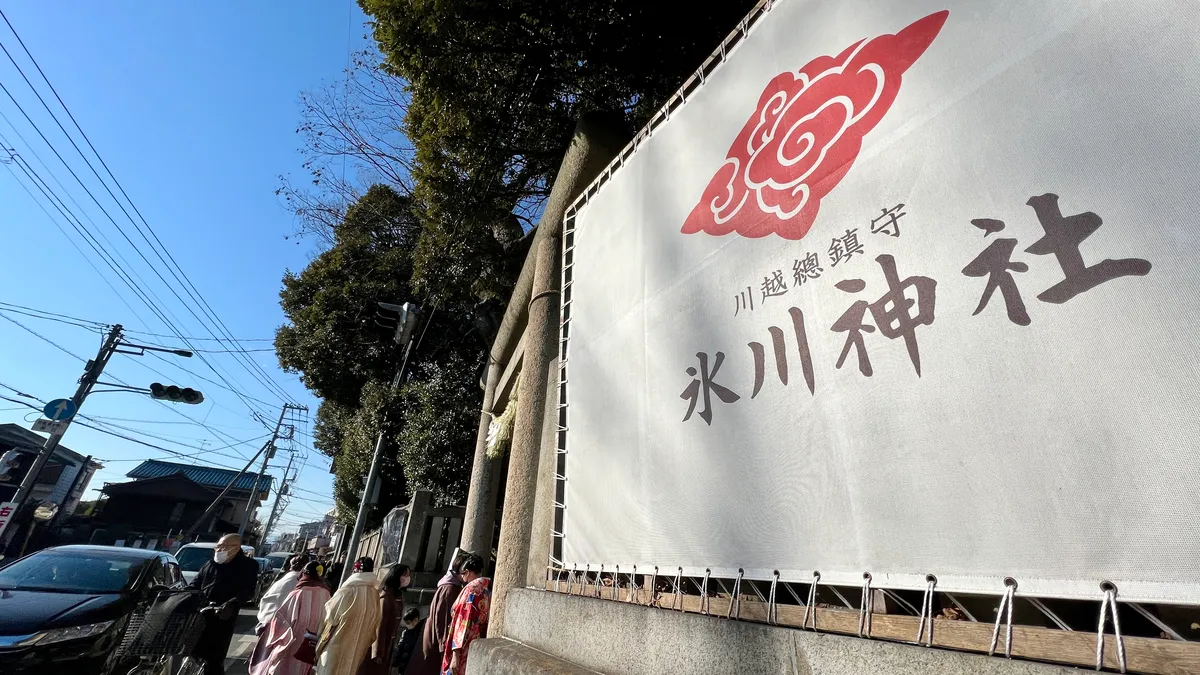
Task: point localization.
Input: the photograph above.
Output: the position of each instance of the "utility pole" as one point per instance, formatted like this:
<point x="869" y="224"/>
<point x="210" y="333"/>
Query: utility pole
<point x="91" y="374"/>
<point x="404" y="336"/>
<point x="283" y="491"/>
<point x="251" y="508"/>
<point x="265" y="451"/>
<point x="229" y="486"/>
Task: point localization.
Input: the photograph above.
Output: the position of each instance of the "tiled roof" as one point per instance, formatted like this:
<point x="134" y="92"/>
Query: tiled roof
<point x="205" y="475"/>
<point x="20" y="437"/>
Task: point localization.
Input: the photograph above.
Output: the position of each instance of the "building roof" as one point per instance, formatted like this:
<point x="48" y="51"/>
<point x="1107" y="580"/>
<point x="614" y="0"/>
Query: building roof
<point x="207" y="476"/>
<point x="24" y="439"/>
<point x="177" y="486"/>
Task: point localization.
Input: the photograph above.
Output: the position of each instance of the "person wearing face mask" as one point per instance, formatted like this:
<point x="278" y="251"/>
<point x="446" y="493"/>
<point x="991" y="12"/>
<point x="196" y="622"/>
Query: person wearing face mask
<point x="391" y="608"/>
<point x="226" y="583"/>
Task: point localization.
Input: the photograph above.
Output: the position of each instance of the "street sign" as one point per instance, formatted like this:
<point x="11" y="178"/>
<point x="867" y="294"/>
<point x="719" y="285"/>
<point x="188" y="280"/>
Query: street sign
<point x="7" y="509"/>
<point x="49" y="426"/>
<point x="60" y="409"/>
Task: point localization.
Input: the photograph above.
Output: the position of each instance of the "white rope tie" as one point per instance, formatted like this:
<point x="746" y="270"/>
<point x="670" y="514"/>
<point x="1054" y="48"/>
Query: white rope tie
<point x="653" y="586"/>
<point x="864" y="608"/>
<point x="1005" y="602"/>
<point x="927" y="611"/>
<point x="704" y="592"/>
<point x="1110" y="600"/>
<point x="616" y="583"/>
<point x="678" y="590"/>
<point x="571" y="579"/>
<point x="811" y="605"/>
<point x="633" y="587"/>
<point x="772" y="608"/>
<point x="556" y="575"/>
<point x="736" y="599"/>
<point x="599" y="580"/>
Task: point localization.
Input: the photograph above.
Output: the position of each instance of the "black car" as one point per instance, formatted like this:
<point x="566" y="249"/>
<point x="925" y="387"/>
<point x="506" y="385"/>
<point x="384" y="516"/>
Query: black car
<point x="65" y="609"/>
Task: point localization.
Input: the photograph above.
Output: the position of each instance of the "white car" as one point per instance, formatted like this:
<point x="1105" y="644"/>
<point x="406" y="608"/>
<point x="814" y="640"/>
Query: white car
<point x="192" y="557"/>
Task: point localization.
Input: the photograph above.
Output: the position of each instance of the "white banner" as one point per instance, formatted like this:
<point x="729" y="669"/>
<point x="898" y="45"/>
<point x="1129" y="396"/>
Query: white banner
<point x="907" y="289"/>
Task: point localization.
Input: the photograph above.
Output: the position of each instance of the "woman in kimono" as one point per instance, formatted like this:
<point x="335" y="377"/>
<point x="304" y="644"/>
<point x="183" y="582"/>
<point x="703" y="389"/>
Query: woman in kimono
<point x="391" y="608"/>
<point x="298" y="615"/>
<point x="468" y="617"/>
<point x="427" y="657"/>
<point x="351" y="622"/>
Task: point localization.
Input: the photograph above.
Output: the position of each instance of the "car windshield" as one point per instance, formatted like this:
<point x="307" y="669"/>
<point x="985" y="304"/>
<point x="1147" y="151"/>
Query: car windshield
<point x="192" y="558"/>
<point x="73" y="572"/>
<point x="275" y="562"/>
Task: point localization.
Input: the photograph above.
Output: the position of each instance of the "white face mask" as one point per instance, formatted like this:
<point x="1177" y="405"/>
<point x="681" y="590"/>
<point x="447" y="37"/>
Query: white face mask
<point x="220" y="556"/>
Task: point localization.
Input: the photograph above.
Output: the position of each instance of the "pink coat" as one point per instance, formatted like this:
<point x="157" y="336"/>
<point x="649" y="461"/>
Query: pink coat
<point x="301" y="611"/>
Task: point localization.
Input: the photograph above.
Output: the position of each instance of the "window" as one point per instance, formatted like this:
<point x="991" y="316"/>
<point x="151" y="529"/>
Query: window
<point x="157" y="574"/>
<point x="176" y="513"/>
<point x="174" y="574"/>
<point x="73" y="572"/>
<point x="192" y="558"/>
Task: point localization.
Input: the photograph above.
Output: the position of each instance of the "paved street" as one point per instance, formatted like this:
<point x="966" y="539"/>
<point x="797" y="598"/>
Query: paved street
<point x="242" y="645"/>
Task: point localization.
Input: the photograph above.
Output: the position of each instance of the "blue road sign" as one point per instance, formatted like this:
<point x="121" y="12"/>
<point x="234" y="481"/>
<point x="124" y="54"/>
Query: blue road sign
<point x="59" y="410"/>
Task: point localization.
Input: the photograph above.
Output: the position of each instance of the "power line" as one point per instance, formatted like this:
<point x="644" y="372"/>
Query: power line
<point x="69" y="238"/>
<point x="198" y="339"/>
<point x="176" y="272"/>
<point x="91" y="240"/>
<point x="107" y="258"/>
<point x="51" y="316"/>
<point x="119" y="380"/>
<point x="198" y="376"/>
<point x="42" y="337"/>
<point x="88" y="323"/>
<point x="129" y="438"/>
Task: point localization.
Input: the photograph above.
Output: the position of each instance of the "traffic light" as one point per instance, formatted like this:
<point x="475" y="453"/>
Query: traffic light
<point x="402" y="317"/>
<point x="175" y="394"/>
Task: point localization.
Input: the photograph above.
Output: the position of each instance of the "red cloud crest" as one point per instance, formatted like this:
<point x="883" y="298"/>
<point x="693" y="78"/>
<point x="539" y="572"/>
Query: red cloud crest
<point x="805" y="135"/>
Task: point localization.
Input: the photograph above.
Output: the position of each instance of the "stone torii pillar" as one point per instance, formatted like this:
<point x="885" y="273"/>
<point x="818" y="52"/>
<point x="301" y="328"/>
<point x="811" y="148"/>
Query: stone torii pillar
<point x="597" y="139"/>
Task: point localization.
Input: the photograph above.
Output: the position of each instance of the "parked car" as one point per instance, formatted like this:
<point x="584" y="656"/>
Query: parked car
<point x="65" y="609"/>
<point x="277" y="559"/>
<point x="266" y="577"/>
<point x="193" y="556"/>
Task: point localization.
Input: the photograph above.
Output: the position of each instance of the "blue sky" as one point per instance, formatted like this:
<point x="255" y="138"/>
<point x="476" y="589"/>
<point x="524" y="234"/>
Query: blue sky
<point x="194" y="108"/>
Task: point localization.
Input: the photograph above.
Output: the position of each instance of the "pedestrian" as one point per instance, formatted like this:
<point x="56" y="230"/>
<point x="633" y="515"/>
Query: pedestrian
<point x="333" y="573"/>
<point x="290" y="639"/>
<point x="468" y="617"/>
<point x="410" y="639"/>
<point x="391" y="608"/>
<point x="427" y="660"/>
<point x="226" y="583"/>
<point x="278" y="592"/>
<point x="272" y="599"/>
<point x="351" y="622"/>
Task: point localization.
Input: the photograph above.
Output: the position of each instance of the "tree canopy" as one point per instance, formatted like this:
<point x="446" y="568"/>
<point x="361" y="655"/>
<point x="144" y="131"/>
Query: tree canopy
<point x="334" y="340"/>
<point x="495" y="88"/>
<point x="458" y="124"/>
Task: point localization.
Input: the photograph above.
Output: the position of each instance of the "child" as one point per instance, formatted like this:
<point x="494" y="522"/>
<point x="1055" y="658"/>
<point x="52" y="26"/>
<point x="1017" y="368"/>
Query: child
<point x="410" y="639"/>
